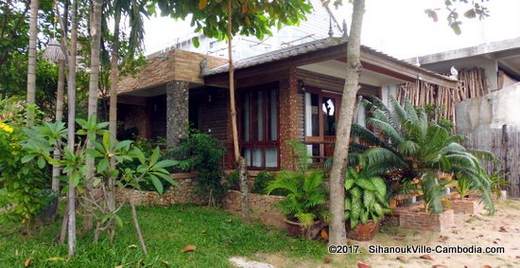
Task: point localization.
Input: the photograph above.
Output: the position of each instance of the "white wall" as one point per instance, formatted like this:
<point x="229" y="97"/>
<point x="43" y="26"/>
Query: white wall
<point x="490" y="111"/>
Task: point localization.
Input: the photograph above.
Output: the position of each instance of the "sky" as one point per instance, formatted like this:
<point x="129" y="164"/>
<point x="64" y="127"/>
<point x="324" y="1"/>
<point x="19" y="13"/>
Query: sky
<point x="397" y="27"/>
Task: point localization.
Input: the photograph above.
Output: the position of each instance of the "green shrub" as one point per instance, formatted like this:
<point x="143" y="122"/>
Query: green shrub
<point x="24" y="181"/>
<point x="306" y="195"/>
<point x="204" y="154"/>
<point x="366" y="197"/>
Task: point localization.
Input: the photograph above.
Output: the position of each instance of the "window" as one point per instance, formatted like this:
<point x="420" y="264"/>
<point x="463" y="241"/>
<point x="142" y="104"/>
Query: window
<point x="258" y="125"/>
<point x="321" y="114"/>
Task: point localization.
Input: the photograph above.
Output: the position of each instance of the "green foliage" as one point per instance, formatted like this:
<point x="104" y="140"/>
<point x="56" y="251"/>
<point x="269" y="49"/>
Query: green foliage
<point x="366" y="197"/>
<point x="306" y="195"/>
<point x="24" y="180"/>
<point x="250" y="18"/>
<point x="204" y="154"/>
<point x="408" y="143"/>
<point x="167" y="230"/>
<point x="262" y="179"/>
<point x="300" y="154"/>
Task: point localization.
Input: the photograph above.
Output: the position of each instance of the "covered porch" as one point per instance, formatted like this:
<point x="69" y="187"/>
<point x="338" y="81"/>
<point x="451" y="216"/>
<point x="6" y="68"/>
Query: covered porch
<point x="295" y="94"/>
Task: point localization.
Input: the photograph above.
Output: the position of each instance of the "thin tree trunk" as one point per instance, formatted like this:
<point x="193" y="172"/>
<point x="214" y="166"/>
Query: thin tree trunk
<point x="71" y="95"/>
<point x="95" y="33"/>
<point x="31" y="65"/>
<point x="242" y="168"/>
<point x="59" y="118"/>
<point x="64" y="225"/>
<point x="138" y="229"/>
<point x="114" y="78"/>
<point x="348" y="101"/>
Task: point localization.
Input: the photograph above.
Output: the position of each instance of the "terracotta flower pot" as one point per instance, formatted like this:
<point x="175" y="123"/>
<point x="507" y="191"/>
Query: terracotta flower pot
<point x="363" y="232"/>
<point x="297" y="229"/>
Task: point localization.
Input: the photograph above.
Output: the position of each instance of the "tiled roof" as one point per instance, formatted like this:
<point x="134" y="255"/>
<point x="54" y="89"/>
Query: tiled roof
<point x="300" y="49"/>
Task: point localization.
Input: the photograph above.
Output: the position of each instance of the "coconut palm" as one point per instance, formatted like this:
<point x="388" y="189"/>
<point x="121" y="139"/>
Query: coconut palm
<point x="404" y="141"/>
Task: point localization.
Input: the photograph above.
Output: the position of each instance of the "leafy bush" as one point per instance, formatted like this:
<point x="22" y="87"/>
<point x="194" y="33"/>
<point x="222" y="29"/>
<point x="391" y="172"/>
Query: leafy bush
<point x="262" y="179"/>
<point x="24" y="181"/>
<point x="147" y="147"/>
<point x="408" y="143"/>
<point x="204" y="154"/>
<point x="366" y="197"/>
<point x="306" y="195"/>
<point x="232" y="181"/>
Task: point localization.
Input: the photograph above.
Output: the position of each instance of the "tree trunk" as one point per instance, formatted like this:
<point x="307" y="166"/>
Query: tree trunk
<point x="71" y="96"/>
<point x="137" y="228"/>
<point x="242" y="167"/>
<point x="114" y="79"/>
<point x="95" y="34"/>
<point x="31" y="65"/>
<point x="59" y="117"/>
<point x="348" y="101"/>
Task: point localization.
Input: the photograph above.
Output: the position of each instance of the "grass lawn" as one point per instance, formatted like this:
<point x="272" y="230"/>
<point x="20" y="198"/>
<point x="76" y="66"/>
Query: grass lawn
<point x="216" y="235"/>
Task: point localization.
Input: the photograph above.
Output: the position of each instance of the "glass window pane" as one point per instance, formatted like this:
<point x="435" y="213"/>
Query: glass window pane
<point x="257" y="158"/>
<point x="247" y="156"/>
<point x="271" y="157"/>
<point x="245" y="118"/>
<point x="260" y="116"/>
<point x="274" y="115"/>
<point x="315" y="115"/>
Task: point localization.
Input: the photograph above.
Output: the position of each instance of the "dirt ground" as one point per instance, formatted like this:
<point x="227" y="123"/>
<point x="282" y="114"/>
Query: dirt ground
<point x="502" y="229"/>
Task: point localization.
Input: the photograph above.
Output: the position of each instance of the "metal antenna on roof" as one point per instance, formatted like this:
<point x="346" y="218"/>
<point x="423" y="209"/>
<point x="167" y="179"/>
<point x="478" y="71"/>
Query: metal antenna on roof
<point x="331" y="32"/>
<point x="345" y="30"/>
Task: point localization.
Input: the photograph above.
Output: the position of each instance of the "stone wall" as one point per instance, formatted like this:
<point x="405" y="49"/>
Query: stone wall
<point x="182" y="193"/>
<point x="263" y="208"/>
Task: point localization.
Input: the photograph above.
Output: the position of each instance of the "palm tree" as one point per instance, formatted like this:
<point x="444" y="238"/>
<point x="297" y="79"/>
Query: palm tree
<point x="31" y="66"/>
<point x="408" y="143"/>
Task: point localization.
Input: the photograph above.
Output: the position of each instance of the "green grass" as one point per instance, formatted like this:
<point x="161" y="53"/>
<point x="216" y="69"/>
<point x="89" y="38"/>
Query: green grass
<point x="216" y="234"/>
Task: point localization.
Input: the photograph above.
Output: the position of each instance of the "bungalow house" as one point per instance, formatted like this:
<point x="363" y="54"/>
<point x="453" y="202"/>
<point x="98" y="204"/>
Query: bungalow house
<point x="286" y="94"/>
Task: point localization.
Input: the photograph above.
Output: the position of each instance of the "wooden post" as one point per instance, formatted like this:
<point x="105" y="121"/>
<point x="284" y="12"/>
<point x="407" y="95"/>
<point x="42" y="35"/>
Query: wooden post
<point x="505" y="146"/>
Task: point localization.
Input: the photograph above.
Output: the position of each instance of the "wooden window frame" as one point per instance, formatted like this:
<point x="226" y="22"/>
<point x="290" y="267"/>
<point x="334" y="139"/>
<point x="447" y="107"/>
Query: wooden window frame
<point x="253" y="142"/>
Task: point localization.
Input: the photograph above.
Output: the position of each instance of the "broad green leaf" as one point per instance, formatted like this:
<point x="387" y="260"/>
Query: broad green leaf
<point x="368" y="198"/>
<point x="365" y="184"/>
<point x="156" y="183"/>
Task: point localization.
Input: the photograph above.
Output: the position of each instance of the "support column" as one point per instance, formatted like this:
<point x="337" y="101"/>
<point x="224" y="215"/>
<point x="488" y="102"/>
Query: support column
<point x="177" y="111"/>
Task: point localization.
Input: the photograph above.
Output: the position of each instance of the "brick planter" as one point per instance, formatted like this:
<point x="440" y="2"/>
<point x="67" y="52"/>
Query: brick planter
<point x="263" y="208"/>
<point x="466" y="206"/>
<point x="414" y="217"/>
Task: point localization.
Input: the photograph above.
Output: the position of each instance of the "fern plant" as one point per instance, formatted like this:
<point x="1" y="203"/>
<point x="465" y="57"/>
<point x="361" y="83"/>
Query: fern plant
<point x="404" y="140"/>
<point x="366" y="197"/>
<point x="306" y="195"/>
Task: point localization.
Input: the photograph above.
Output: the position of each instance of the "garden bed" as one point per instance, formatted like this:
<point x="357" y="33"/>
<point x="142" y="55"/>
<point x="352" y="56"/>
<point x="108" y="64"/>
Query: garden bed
<point x="467" y="206"/>
<point x="415" y="217"/>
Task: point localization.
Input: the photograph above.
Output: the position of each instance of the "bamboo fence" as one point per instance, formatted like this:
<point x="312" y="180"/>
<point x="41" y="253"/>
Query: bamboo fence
<point x="472" y="84"/>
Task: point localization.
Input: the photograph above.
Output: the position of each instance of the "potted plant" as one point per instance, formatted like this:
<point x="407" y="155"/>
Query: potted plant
<point x="304" y="203"/>
<point x="365" y="203"/>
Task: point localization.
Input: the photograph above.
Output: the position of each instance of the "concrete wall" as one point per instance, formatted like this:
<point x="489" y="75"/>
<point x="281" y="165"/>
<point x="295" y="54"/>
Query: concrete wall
<point x="489" y="65"/>
<point x="491" y="111"/>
